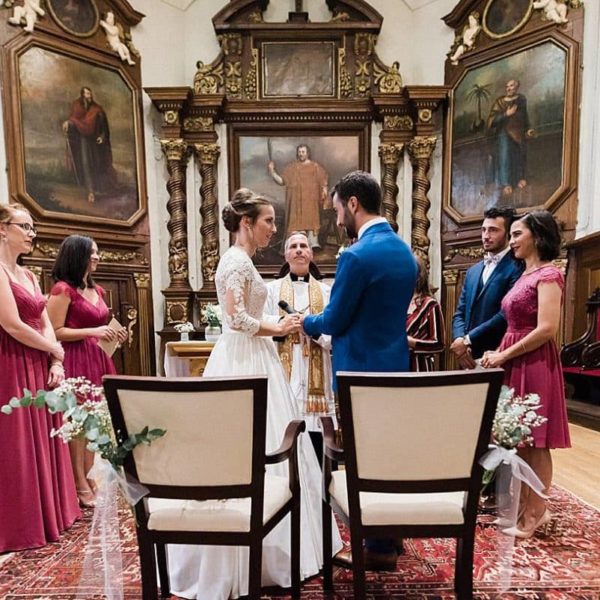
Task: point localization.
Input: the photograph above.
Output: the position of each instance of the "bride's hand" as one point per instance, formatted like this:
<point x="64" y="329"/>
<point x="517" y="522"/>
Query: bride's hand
<point x="290" y="324"/>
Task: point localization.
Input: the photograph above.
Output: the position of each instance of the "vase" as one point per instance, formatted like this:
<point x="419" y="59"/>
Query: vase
<point x="184" y="336"/>
<point x="212" y="333"/>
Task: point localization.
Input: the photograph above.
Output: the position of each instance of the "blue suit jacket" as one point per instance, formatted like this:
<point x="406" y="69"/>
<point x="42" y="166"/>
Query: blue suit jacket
<point x="478" y="313"/>
<point x="366" y="314"/>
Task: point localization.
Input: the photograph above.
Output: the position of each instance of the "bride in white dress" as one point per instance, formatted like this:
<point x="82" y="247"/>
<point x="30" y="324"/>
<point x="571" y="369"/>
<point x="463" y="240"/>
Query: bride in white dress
<point x="246" y="348"/>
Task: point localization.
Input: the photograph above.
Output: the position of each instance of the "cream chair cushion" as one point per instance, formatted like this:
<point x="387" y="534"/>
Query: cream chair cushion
<point x="443" y="508"/>
<point x="216" y="515"/>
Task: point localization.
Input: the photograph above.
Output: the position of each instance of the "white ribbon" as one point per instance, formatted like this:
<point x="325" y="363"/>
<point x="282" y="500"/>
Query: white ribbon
<point x="497" y="455"/>
<point x="102" y="570"/>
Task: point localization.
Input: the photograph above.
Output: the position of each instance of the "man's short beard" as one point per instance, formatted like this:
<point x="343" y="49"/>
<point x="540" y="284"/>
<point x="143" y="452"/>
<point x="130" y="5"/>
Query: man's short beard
<point x="350" y="224"/>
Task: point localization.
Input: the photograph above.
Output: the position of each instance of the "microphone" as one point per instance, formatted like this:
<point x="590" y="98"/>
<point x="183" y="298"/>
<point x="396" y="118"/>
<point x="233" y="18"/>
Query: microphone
<point x="284" y="306"/>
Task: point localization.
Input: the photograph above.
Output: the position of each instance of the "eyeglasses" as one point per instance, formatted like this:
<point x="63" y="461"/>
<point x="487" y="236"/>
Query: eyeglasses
<point x="26" y="227"/>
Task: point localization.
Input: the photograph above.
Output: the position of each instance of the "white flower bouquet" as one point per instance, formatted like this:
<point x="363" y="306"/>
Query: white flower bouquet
<point x="186" y="327"/>
<point x="212" y="315"/>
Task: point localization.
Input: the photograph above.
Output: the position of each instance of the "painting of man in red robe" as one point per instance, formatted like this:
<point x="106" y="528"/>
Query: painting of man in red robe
<point x="88" y="149"/>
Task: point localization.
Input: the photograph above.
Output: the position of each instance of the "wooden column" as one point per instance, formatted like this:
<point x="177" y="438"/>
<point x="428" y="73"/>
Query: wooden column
<point x="390" y="156"/>
<point x="142" y="283"/>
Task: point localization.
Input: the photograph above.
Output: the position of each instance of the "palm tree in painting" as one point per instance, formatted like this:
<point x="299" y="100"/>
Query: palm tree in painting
<point x="478" y="93"/>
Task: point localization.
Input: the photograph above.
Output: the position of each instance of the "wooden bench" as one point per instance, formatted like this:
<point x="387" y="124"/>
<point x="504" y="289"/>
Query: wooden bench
<point x="581" y="358"/>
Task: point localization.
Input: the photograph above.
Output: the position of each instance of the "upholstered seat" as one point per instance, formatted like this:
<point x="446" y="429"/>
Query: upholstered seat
<point x="412" y="444"/>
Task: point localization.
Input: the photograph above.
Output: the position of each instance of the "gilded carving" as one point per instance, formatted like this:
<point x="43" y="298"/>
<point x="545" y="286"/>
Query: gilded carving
<point x="233" y="79"/>
<point x="208" y="79"/>
<point x="425" y="115"/>
<point x="176" y="311"/>
<point x="399" y="122"/>
<point x="142" y="280"/>
<point x="193" y="124"/>
<point x="364" y="44"/>
<point x="450" y="276"/>
<point x="255" y="17"/>
<point x="174" y="149"/>
<point x="109" y="256"/>
<point x="171" y="117"/>
<point x="390" y="153"/>
<point x="132" y="315"/>
<point x="345" y="84"/>
<point x="251" y="86"/>
<point x="362" y="81"/>
<point x="388" y="80"/>
<point x="231" y="43"/>
<point x="474" y="253"/>
<point x="419" y="151"/>
<point x="208" y="154"/>
<point x="340" y="16"/>
<point x="390" y="158"/>
<point x="37" y="271"/>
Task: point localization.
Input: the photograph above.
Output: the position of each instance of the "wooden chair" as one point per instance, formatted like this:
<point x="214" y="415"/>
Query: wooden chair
<point x="412" y="444"/>
<point x="582" y="353"/>
<point x="213" y="449"/>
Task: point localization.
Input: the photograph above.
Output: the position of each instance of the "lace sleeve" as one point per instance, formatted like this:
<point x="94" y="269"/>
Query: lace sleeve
<point x="552" y="275"/>
<point x="237" y="281"/>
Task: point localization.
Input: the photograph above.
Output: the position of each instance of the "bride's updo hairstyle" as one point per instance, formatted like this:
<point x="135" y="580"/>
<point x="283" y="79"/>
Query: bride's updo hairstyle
<point x="245" y="203"/>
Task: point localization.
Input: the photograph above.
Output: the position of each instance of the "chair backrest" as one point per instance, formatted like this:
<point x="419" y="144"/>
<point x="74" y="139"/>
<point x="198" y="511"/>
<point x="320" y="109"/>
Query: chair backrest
<point x="406" y="432"/>
<point x="215" y="431"/>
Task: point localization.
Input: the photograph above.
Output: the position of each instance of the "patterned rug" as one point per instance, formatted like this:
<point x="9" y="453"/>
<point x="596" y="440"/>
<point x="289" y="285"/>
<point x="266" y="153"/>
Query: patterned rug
<point x="562" y="562"/>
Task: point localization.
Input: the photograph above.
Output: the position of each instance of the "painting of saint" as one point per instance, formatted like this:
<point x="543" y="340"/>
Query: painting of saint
<point x="79" y="140"/>
<point x="504" y="17"/>
<point x="79" y="17"/>
<point x="507" y="131"/>
<point x="295" y="172"/>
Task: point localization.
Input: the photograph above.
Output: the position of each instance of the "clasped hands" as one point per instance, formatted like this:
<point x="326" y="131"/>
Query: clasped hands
<point x="492" y="359"/>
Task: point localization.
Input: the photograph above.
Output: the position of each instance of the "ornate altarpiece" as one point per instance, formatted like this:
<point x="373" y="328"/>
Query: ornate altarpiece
<point x="541" y="51"/>
<point x="44" y="71"/>
<point x="238" y="88"/>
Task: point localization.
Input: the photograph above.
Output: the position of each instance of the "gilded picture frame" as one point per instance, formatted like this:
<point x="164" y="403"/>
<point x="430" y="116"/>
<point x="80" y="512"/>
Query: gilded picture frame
<point x="525" y="160"/>
<point x="74" y="159"/>
<point x="333" y="150"/>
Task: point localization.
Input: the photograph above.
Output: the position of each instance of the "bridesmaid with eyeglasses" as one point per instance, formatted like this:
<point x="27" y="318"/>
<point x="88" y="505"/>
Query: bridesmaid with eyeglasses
<point x="37" y="490"/>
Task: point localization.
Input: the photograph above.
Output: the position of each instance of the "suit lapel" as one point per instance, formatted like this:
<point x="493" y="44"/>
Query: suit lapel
<point x="477" y="271"/>
<point x="502" y="267"/>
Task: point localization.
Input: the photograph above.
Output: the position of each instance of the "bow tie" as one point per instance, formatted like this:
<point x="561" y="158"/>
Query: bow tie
<point x="491" y="259"/>
<point x="295" y="277"/>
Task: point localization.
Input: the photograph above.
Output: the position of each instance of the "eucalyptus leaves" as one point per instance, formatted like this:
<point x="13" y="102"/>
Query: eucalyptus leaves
<point x="85" y="416"/>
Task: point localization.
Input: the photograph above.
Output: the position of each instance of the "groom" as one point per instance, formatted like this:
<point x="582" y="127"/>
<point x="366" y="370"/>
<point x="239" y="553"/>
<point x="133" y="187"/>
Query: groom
<point x="366" y="314"/>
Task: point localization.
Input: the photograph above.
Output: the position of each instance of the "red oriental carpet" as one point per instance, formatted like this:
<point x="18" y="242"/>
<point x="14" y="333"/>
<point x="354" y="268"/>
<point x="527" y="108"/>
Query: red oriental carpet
<point x="562" y="562"/>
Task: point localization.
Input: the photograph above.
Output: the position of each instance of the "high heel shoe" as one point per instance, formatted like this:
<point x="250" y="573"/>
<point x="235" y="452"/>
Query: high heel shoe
<point x="86" y="498"/>
<point x="525" y="534"/>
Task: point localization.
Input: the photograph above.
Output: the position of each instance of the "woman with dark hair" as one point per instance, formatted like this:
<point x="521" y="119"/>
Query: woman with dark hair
<point x="79" y="315"/>
<point x="530" y="356"/>
<point x="245" y="349"/>
<point x="424" y="323"/>
<point x="37" y="493"/>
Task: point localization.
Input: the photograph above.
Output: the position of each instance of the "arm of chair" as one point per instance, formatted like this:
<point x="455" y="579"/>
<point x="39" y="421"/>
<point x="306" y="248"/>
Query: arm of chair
<point x="292" y="431"/>
<point x="331" y="449"/>
<point x="590" y="357"/>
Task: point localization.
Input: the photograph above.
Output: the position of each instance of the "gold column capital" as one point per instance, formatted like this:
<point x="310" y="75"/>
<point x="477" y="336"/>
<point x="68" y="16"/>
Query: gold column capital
<point x="421" y="146"/>
<point x="142" y="280"/>
<point x="450" y="276"/>
<point x="174" y="149"/>
<point x="207" y="154"/>
<point x="390" y="153"/>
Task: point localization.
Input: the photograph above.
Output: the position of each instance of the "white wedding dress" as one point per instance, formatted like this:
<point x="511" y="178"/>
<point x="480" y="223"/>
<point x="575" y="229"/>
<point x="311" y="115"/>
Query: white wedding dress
<point x="221" y="572"/>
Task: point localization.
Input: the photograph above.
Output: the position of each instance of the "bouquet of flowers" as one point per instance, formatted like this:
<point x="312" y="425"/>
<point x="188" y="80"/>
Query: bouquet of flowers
<point x="515" y="419"/>
<point x="85" y="416"/>
<point x="212" y="315"/>
<point x="186" y="327"/>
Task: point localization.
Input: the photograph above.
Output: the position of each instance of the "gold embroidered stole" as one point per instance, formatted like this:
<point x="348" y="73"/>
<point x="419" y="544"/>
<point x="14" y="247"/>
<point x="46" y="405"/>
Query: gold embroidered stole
<point x="315" y="402"/>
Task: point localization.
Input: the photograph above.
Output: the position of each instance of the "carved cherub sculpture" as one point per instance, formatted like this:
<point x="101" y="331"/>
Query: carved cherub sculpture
<point x="28" y="14"/>
<point x="467" y="39"/>
<point x="554" y="10"/>
<point x="115" y="38"/>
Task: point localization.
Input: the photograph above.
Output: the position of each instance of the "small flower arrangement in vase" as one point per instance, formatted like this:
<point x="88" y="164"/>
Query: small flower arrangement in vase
<point x="213" y="317"/>
<point x="184" y="330"/>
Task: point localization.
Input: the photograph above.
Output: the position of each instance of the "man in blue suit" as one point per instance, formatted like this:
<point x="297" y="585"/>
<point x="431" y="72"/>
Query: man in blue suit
<point x="478" y="323"/>
<point x="366" y="314"/>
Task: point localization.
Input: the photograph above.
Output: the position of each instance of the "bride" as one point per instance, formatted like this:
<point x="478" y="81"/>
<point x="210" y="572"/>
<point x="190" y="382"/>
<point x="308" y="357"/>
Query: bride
<point x="246" y="348"/>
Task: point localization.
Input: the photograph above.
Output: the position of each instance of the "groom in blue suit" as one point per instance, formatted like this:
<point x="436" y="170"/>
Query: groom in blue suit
<point x="478" y="323"/>
<point x="366" y="314"/>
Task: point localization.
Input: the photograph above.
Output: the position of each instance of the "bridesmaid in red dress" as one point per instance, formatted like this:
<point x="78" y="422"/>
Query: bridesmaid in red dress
<point x="529" y="353"/>
<point x="37" y="492"/>
<point x="79" y="315"/>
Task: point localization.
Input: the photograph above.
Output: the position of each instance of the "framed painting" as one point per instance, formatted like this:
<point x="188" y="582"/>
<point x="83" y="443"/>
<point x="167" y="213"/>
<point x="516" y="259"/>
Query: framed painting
<point x="76" y="137"/>
<point x="77" y="17"/>
<point x="299" y="69"/>
<point x="502" y="18"/>
<point x="296" y="168"/>
<point x="511" y="132"/>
